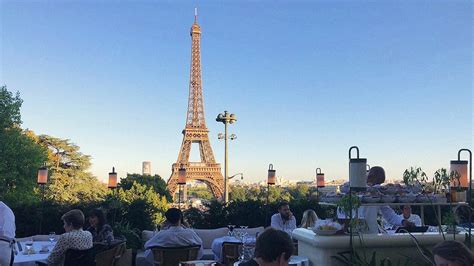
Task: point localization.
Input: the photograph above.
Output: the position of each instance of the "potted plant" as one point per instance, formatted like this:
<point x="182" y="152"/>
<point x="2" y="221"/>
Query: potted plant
<point x="457" y="193"/>
<point x="441" y="181"/>
<point x="345" y="204"/>
<point x="415" y="179"/>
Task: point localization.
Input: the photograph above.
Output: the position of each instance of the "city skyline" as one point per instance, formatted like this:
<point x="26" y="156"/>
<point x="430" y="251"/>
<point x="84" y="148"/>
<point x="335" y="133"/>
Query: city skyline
<point x="306" y="81"/>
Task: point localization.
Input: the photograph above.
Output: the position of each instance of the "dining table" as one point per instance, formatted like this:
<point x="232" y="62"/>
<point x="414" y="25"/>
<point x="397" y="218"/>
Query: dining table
<point x="217" y="245"/>
<point x="23" y="259"/>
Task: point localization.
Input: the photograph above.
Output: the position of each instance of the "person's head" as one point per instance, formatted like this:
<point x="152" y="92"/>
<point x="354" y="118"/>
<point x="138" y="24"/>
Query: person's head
<point x="97" y="218"/>
<point x="173" y="216"/>
<point x="309" y="219"/>
<point x="73" y="219"/>
<point x="461" y="214"/>
<point x="273" y="247"/>
<point x="452" y="253"/>
<point x="284" y="209"/>
<point x="406" y="211"/>
<point x="375" y="176"/>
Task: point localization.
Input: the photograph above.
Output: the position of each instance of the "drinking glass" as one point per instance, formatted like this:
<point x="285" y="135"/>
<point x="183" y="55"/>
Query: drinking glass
<point x="29" y="246"/>
<point x="231" y="229"/>
<point x="52" y="237"/>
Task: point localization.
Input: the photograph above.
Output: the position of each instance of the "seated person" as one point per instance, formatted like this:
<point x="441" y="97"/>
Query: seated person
<point x="74" y="238"/>
<point x="407" y="215"/>
<point x="174" y="236"/>
<point x="461" y="214"/>
<point x="7" y="234"/>
<point x="309" y="219"/>
<point x="284" y="220"/>
<point x="273" y="247"/>
<point x="100" y="230"/>
<point x="452" y="253"/>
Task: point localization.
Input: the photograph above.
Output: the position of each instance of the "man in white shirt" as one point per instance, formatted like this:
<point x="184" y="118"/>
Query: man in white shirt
<point x="407" y="215"/>
<point x="284" y="220"/>
<point x="376" y="176"/>
<point x="174" y="236"/>
<point x="7" y="233"/>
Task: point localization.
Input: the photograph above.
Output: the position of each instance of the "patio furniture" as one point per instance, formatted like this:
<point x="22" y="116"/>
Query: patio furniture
<point x="112" y="256"/>
<point x="171" y="256"/>
<point x="198" y="263"/>
<point x="230" y="252"/>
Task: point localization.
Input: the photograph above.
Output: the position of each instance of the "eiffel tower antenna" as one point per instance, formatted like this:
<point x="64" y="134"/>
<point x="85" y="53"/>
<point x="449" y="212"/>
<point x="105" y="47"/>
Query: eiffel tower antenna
<point x="195" y="15"/>
<point x="195" y="130"/>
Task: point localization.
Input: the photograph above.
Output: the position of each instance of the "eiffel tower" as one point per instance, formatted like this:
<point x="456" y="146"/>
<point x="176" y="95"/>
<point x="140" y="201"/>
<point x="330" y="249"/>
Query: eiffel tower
<point x="196" y="131"/>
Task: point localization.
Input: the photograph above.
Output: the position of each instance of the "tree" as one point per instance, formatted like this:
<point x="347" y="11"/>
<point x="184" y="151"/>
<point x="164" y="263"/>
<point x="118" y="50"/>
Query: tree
<point x="70" y="182"/>
<point x="237" y="193"/>
<point x="155" y="182"/>
<point x="20" y="156"/>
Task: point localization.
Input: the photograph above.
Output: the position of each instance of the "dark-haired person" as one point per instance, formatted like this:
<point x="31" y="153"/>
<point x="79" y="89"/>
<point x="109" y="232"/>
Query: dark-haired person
<point x="174" y="236"/>
<point x="284" y="220"/>
<point x="273" y="247"/>
<point x="452" y="253"/>
<point x="74" y="238"/>
<point x="100" y="230"/>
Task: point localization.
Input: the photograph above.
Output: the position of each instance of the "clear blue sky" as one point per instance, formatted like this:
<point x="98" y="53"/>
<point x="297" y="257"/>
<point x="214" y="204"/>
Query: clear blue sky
<point x="307" y="80"/>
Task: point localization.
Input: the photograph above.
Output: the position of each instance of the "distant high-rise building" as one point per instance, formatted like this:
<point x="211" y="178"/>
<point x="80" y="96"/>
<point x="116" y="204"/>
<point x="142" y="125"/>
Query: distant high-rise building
<point x="146" y="168"/>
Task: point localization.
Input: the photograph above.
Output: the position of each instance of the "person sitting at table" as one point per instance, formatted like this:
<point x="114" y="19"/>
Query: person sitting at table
<point x="407" y="215"/>
<point x="284" y="220"/>
<point x="376" y="176"/>
<point x="452" y="253"/>
<point x="273" y="247"/>
<point x="100" y="230"/>
<point x="7" y="234"/>
<point x="461" y="215"/>
<point x="74" y="238"/>
<point x="174" y="236"/>
<point x="309" y="219"/>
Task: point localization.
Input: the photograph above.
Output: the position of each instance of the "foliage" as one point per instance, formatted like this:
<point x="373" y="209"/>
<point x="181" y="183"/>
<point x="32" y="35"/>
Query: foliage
<point x="354" y="258"/>
<point x="69" y="180"/>
<point x="20" y="156"/>
<point x="201" y="193"/>
<point x="414" y="176"/>
<point x="441" y="180"/>
<point x="132" y="235"/>
<point x="155" y="182"/>
<point x="347" y="202"/>
<point x="143" y="208"/>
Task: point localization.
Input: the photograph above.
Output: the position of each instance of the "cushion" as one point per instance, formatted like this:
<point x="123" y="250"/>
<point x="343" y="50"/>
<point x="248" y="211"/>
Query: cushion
<point x="208" y="235"/>
<point x="207" y="254"/>
<point x="253" y="231"/>
<point x="140" y="259"/>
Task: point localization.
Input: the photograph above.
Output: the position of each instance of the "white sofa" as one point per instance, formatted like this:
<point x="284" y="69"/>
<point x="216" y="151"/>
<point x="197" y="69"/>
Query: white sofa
<point x="207" y="236"/>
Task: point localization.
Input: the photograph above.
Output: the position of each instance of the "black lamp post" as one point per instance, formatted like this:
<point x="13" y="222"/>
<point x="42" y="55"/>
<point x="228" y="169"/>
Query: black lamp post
<point x="319" y="180"/>
<point x="270" y="179"/>
<point x="112" y="184"/>
<point x="181" y="182"/>
<point x="41" y="181"/>
<point x="460" y="166"/>
<point x="357" y="181"/>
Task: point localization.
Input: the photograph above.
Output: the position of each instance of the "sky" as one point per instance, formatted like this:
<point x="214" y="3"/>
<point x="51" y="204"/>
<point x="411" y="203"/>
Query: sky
<point x="306" y="80"/>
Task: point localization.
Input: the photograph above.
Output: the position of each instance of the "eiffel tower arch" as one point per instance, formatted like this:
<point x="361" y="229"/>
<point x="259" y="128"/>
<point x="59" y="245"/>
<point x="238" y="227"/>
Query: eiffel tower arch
<point x="196" y="131"/>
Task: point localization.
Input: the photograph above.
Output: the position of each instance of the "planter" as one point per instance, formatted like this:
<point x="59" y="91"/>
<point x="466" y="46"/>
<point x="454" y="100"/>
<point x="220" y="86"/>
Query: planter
<point x="458" y="196"/>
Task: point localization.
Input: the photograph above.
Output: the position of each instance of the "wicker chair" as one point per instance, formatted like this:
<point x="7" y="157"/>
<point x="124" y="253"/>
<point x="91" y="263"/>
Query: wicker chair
<point x="172" y="256"/>
<point x="110" y="256"/>
<point x="230" y="252"/>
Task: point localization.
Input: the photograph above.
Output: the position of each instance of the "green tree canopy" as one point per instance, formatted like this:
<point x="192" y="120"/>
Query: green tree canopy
<point x="20" y="156"/>
<point x="155" y="182"/>
<point x="70" y="181"/>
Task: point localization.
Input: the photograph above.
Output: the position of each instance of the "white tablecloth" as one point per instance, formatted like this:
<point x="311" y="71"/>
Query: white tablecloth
<point x="27" y="260"/>
<point x="217" y="245"/>
<point x="294" y="261"/>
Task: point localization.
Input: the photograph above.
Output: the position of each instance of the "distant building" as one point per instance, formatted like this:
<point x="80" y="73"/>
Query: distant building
<point x="146" y="168"/>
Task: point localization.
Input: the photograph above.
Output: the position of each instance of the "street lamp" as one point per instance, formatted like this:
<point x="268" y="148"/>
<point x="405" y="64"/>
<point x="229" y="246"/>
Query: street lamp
<point x="41" y="181"/>
<point x="270" y="179"/>
<point x="241" y="176"/>
<point x="181" y="182"/>
<point x="460" y="167"/>
<point x="319" y="181"/>
<point x="226" y="118"/>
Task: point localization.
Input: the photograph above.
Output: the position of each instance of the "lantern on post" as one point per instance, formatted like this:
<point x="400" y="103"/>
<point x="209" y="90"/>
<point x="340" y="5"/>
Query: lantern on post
<point x="270" y="179"/>
<point x="357" y="171"/>
<point x="459" y="168"/>
<point x="181" y="182"/>
<point x="41" y="181"/>
<point x="112" y="179"/>
<point x="319" y="178"/>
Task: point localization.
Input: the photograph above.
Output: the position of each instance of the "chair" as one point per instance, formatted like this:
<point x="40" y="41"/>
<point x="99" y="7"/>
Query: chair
<point x="171" y="256"/>
<point x="111" y="256"/>
<point x="230" y="252"/>
<point x="75" y="257"/>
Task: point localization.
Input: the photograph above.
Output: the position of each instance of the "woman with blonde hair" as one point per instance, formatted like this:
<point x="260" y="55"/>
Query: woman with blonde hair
<point x="309" y="219"/>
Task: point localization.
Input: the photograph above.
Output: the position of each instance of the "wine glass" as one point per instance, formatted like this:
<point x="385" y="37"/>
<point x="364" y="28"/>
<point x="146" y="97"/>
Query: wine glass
<point x="231" y="229"/>
<point x="29" y="246"/>
<point x="52" y="237"/>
